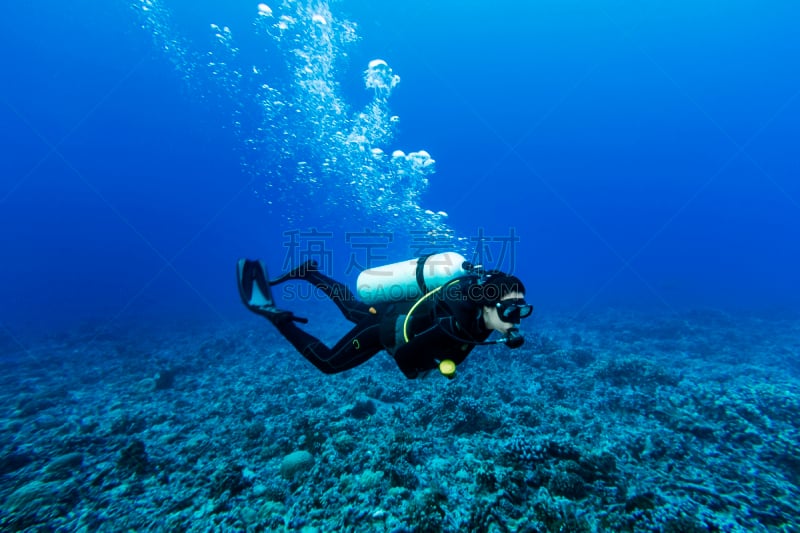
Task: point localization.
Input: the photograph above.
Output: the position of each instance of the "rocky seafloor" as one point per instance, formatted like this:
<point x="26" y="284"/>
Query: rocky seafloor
<point x="615" y="421"/>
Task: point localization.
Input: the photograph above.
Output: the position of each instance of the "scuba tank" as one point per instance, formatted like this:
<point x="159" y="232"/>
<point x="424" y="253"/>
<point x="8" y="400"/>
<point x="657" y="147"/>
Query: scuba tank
<point x="410" y="279"/>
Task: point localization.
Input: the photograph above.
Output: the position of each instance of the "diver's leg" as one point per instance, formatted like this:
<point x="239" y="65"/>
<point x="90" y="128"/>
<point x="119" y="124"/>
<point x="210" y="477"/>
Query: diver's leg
<point x="352" y="309"/>
<point x="341" y="295"/>
<point x="356" y="347"/>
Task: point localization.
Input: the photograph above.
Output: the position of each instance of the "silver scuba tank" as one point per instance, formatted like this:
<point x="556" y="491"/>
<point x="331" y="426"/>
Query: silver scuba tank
<point x="410" y="279"/>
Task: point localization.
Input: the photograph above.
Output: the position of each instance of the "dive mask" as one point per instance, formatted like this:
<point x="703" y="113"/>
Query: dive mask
<point x="513" y="310"/>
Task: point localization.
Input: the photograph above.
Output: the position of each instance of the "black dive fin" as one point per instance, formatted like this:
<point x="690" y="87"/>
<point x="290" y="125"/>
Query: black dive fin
<point x="251" y="278"/>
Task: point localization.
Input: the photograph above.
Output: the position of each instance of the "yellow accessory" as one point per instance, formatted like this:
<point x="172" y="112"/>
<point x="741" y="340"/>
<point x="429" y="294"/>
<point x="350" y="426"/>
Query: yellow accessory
<point x="448" y="368"/>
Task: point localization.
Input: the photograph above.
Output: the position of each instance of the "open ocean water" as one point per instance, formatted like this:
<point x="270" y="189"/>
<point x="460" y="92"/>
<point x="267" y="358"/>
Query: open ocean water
<point x="635" y="164"/>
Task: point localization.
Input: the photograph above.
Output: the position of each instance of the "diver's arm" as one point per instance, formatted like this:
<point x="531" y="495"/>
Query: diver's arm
<point x="429" y="347"/>
<point x="420" y="353"/>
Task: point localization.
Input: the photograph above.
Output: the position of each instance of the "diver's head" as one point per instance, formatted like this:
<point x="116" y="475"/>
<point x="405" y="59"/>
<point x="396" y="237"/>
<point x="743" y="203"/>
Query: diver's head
<point x="503" y="300"/>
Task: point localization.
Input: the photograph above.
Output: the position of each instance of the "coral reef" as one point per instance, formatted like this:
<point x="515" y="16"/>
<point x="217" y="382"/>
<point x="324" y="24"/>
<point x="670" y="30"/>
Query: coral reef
<point x="295" y="463"/>
<point x="618" y="422"/>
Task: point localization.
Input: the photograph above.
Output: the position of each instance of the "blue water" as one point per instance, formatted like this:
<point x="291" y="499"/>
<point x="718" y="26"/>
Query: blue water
<point x="644" y="155"/>
<point x="634" y="163"/>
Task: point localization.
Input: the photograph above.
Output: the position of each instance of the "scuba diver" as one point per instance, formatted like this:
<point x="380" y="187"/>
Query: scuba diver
<point x="429" y="317"/>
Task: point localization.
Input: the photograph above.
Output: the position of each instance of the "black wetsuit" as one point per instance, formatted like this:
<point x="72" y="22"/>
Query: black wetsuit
<point x="443" y="326"/>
